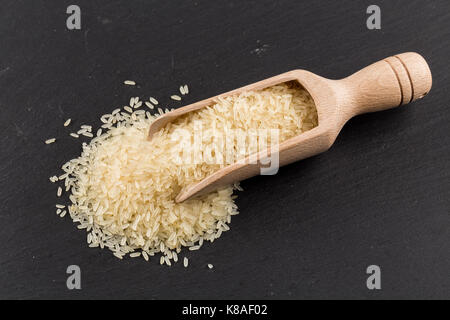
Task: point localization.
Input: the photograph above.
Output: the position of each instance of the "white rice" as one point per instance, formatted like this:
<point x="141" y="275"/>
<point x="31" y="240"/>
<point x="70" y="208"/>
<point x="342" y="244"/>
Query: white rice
<point x="154" y="101"/>
<point x="105" y="118"/>
<point x="67" y="122"/>
<point x="129" y="82"/>
<point x="145" y="255"/>
<point x="138" y="104"/>
<point x="123" y="186"/>
<point x="87" y="127"/>
<point x="49" y="141"/>
<point x="175" y="97"/>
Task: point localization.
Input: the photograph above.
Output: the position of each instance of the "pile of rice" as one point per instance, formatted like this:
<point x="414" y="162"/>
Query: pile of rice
<point x="123" y="187"/>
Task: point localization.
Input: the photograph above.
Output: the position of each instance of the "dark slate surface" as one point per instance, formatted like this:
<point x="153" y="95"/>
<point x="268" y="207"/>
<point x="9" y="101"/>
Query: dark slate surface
<point x="379" y="196"/>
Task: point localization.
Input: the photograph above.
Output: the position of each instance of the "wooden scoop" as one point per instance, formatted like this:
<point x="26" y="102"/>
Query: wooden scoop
<point x="386" y="84"/>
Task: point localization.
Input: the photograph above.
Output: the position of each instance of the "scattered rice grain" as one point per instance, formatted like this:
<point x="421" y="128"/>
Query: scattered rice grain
<point x="138" y="105"/>
<point x="145" y="255"/>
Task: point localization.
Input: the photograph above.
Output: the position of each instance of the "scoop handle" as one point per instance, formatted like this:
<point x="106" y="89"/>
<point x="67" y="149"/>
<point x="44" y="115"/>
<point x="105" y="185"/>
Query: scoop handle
<point x="388" y="83"/>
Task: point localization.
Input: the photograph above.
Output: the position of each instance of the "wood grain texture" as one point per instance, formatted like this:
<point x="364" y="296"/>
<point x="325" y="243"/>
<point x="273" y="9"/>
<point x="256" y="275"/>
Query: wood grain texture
<point x="380" y="195"/>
